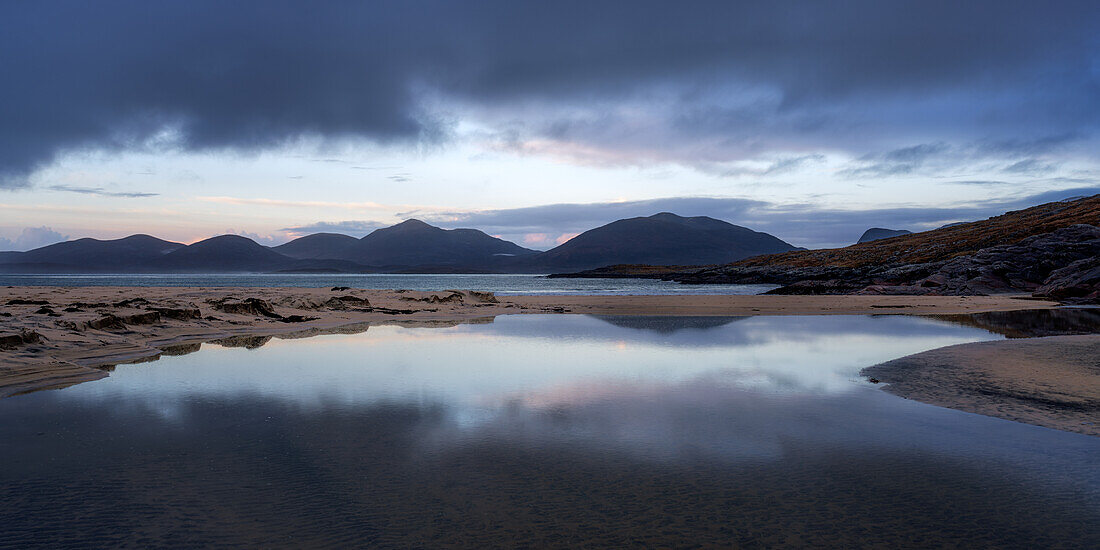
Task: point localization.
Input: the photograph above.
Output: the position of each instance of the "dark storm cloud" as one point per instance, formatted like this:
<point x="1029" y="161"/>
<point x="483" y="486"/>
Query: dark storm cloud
<point x="246" y="75"/>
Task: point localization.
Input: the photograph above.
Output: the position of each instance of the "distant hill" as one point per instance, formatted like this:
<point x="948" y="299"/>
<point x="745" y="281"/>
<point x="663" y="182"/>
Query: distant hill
<point x="876" y="233"/>
<point x="225" y="253"/>
<point x="409" y="247"/>
<point x="661" y="239"/>
<point x="91" y="255"/>
<point x="415" y="243"/>
<point x="317" y="246"/>
<point x="946" y="242"/>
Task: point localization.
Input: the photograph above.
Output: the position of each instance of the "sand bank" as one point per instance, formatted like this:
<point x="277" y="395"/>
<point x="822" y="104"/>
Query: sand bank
<point x="52" y="337"/>
<point x="55" y="336"/>
<point x="779" y="305"/>
<point x="1052" y="381"/>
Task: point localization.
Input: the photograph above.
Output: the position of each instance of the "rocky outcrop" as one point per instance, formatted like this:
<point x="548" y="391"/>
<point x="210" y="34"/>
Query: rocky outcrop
<point x="112" y="321"/>
<point x="346" y="302"/>
<point x="256" y="308"/>
<point x="1062" y="264"/>
<point x="1077" y="283"/>
<point x="1023" y="266"/>
<point x="247" y="306"/>
<point x="483" y="297"/>
<point x="810" y="279"/>
<point x="435" y="298"/>
<point x="23" y="337"/>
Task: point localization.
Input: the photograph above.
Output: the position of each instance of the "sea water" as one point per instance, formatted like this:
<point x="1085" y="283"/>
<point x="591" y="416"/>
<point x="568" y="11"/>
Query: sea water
<point x="539" y="431"/>
<point x="506" y="284"/>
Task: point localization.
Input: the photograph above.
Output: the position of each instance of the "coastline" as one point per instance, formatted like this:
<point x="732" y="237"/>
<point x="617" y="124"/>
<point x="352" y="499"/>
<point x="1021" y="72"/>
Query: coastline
<point x="1052" y="381"/>
<point x="53" y="337"/>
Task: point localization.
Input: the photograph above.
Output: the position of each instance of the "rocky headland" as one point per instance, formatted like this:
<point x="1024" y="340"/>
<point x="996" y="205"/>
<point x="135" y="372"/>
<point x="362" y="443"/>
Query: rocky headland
<point x="1050" y="251"/>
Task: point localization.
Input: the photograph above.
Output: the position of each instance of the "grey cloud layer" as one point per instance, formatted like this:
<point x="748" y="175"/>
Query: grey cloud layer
<point x="247" y="75"/>
<point x="101" y="192"/>
<point x="802" y="225"/>
<point x="351" y="227"/>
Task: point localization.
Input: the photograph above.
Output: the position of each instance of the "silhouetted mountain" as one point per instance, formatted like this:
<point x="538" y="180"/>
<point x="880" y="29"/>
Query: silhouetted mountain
<point x="876" y="233"/>
<point x="317" y="246"/>
<point x="662" y="239"/>
<point x="91" y="255"/>
<point x="415" y="243"/>
<point x="224" y="253"/>
<point x="409" y="247"/>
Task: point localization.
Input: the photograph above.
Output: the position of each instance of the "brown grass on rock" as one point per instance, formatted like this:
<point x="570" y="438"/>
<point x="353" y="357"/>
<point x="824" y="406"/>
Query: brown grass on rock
<point x="947" y="242"/>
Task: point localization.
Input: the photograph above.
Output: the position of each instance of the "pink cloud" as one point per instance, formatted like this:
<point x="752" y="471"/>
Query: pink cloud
<point x="565" y="237"/>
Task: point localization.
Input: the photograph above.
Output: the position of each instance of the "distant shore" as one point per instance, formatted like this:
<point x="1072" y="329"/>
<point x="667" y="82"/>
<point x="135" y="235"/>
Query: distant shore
<point x="53" y="337"/>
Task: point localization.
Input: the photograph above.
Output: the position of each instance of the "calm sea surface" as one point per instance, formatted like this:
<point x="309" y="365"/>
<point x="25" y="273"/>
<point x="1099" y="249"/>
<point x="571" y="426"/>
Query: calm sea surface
<point x="501" y="284"/>
<point x="539" y="431"/>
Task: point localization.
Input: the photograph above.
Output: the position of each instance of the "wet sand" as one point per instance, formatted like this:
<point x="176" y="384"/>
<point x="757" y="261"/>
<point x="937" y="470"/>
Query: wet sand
<point x="55" y="336"/>
<point x="1052" y="381"/>
<point x="780" y="304"/>
<point x="52" y="337"/>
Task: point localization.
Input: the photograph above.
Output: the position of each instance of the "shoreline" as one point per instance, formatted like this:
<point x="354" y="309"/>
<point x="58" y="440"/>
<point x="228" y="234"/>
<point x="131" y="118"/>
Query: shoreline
<point x="53" y="337"/>
<point x="1050" y="381"/>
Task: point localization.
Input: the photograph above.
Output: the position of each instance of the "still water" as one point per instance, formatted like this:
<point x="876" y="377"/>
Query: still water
<point x="502" y="284"/>
<point x="557" y="431"/>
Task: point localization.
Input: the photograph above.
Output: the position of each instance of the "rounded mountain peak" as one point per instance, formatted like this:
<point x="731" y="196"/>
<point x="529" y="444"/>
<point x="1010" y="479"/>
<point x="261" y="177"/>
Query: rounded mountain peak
<point x="666" y="216"/>
<point x="413" y="223"/>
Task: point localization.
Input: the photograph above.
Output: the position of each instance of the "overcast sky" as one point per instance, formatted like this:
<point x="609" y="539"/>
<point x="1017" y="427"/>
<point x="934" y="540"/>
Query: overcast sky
<point x="809" y="120"/>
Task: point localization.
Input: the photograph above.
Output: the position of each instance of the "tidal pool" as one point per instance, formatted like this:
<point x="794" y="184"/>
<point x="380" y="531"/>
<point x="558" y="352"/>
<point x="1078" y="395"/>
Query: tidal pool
<point x="557" y="430"/>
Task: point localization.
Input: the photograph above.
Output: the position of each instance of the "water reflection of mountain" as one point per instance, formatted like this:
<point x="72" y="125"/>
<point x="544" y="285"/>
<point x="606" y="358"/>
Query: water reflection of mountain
<point x="1031" y="323"/>
<point x="256" y="341"/>
<point x="666" y="324"/>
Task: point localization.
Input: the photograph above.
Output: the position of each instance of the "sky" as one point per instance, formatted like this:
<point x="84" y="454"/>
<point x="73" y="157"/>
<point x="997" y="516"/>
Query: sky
<point x="812" y="121"/>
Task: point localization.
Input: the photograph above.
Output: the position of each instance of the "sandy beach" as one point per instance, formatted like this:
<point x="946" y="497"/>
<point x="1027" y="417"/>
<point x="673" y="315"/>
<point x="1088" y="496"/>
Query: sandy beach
<point x="1052" y="381"/>
<point x="53" y="337"/>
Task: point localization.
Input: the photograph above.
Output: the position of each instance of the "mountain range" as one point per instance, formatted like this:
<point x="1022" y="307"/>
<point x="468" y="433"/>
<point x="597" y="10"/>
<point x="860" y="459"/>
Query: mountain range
<point x="410" y="246"/>
<point x="409" y="243"/>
